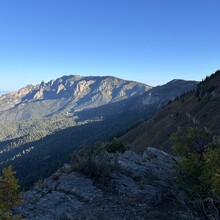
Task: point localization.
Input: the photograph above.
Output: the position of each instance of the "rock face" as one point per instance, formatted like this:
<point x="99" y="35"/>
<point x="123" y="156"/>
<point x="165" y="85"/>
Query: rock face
<point x="144" y="187"/>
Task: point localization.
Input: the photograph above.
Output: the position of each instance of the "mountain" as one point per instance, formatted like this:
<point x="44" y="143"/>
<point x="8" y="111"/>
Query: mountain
<point x="198" y="108"/>
<point x="67" y="95"/>
<point x="41" y="125"/>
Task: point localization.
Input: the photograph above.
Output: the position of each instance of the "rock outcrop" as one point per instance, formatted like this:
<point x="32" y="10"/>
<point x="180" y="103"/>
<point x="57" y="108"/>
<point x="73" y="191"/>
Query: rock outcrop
<point x="143" y="187"/>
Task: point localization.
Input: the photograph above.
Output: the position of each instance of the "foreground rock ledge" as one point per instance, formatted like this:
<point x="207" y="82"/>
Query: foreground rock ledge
<point x="143" y="188"/>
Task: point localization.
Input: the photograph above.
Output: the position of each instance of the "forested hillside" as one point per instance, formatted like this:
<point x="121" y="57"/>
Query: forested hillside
<point x="199" y="108"/>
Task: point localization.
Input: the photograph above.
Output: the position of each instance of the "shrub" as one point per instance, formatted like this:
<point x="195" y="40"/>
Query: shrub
<point x="200" y="164"/>
<point x="114" y="146"/>
<point x="95" y="161"/>
<point x="199" y="170"/>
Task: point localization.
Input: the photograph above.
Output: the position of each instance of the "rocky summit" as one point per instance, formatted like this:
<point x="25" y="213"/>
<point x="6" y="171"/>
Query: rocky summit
<point x="143" y="187"/>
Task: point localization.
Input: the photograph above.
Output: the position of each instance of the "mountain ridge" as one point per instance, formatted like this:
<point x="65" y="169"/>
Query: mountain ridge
<point x="73" y="91"/>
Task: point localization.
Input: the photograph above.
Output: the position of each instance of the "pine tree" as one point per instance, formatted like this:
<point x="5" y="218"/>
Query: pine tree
<point x="9" y="194"/>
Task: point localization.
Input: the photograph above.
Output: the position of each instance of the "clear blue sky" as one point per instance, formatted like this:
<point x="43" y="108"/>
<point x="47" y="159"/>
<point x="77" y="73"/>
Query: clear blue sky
<point x="151" y="41"/>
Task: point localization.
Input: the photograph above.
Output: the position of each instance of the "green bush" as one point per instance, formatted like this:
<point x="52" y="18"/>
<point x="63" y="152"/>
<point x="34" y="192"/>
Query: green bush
<point x="97" y="161"/>
<point x="114" y="146"/>
<point x="200" y="164"/>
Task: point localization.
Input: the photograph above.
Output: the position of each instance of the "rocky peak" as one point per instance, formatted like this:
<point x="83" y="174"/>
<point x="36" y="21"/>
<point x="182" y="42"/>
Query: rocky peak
<point x="24" y="91"/>
<point x="144" y="187"/>
<point x="42" y="84"/>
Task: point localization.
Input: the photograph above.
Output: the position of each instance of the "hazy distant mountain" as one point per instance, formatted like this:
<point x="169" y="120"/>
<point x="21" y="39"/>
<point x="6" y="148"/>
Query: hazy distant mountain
<point x="3" y="92"/>
<point x="67" y="94"/>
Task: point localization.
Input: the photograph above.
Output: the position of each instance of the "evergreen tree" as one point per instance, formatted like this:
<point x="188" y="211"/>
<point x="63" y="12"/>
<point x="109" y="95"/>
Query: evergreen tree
<point x="9" y="194"/>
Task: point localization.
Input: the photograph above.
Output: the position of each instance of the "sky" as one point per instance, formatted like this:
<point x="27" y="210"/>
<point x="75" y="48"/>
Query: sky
<point x="150" y="41"/>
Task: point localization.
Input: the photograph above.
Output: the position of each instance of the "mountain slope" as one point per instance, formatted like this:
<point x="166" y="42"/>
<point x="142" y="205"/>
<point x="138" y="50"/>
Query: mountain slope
<point x="199" y="108"/>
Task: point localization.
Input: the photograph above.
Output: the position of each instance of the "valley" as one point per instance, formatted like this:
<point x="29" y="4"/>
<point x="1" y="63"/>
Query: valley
<point x="43" y="130"/>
